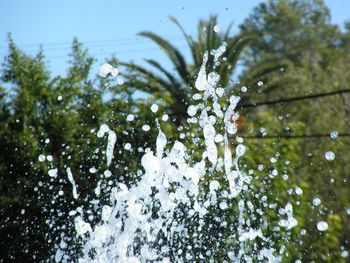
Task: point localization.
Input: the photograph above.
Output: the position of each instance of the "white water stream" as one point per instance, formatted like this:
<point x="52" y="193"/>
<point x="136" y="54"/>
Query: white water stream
<point x="181" y="210"/>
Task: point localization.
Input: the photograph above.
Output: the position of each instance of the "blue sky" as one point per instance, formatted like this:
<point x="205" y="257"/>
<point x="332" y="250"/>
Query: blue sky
<point x="107" y="27"/>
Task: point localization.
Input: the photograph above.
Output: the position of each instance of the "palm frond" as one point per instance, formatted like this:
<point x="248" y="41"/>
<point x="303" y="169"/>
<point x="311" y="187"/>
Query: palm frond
<point x="200" y="44"/>
<point x="155" y="84"/>
<point x="156" y="64"/>
<point x="143" y="86"/>
<point x="147" y="75"/>
<point x="191" y="43"/>
<point x="174" y="86"/>
<point x="172" y="52"/>
<point x="228" y="31"/>
<point x="213" y="40"/>
<point x="236" y="45"/>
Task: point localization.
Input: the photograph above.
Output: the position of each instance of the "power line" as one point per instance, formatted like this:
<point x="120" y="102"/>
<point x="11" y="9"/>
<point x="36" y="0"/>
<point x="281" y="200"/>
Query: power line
<point x="116" y="40"/>
<point x="102" y="45"/>
<point x="282" y="101"/>
<point x="94" y="46"/>
<point x="104" y="52"/>
<point x="293" y="136"/>
<point x="293" y="99"/>
<point x="117" y="52"/>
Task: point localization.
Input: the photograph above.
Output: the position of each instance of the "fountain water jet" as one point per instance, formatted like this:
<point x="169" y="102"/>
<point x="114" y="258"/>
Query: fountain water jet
<point x="182" y="210"/>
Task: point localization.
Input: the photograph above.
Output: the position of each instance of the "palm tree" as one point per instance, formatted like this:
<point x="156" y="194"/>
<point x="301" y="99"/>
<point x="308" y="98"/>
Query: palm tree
<point x="176" y="88"/>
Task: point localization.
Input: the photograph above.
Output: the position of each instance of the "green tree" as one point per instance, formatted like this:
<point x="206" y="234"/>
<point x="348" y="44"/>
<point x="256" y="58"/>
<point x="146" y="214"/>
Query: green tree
<point x="301" y="32"/>
<point x="58" y="117"/>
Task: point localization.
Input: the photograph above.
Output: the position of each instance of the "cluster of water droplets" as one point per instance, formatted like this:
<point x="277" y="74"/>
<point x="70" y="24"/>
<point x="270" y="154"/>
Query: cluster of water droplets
<point x="167" y="215"/>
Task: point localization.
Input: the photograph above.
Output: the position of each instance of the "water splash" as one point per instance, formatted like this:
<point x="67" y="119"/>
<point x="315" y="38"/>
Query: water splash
<point x="112" y="138"/>
<point x="181" y="209"/>
<point x="71" y="180"/>
<point x="106" y="69"/>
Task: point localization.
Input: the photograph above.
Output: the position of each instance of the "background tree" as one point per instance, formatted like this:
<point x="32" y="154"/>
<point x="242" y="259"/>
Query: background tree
<point x="57" y="118"/>
<point x="287" y="47"/>
<point x="301" y="32"/>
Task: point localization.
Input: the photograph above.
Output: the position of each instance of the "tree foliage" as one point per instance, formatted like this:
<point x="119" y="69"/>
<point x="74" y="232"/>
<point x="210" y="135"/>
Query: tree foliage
<point x="287" y="48"/>
<point x="301" y="32"/>
<point x="57" y="118"/>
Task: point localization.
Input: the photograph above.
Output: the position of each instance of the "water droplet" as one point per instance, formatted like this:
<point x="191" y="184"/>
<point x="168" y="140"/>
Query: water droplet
<point x="275" y="172"/>
<point x="239" y="139"/>
<point x="107" y="69"/>
<point x="59" y="98"/>
<point x="197" y="96"/>
<point x="192" y="110"/>
<point x="322" y="226"/>
<point x="334" y="134"/>
<point x="146" y="127"/>
<point x="260" y="83"/>
<point x="273" y="160"/>
<point x="240" y="150"/>
<point x="214" y="185"/>
<point x="41" y="158"/>
<point x="316" y="201"/>
<point x="92" y="170"/>
<point x="263" y="131"/>
<point x="298" y="191"/>
<point x="223" y="205"/>
<point x="127" y="146"/>
<point x="165" y="117"/>
<point x="212" y="119"/>
<point x="53" y="172"/>
<point x="217" y="28"/>
<point x="107" y="173"/>
<point x="154" y="108"/>
<point x="220" y="92"/>
<point x="330" y="156"/>
<point x="344" y="254"/>
<point x="219" y="138"/>
<point x="244" y="89"/>
<point x="130" y="117"/>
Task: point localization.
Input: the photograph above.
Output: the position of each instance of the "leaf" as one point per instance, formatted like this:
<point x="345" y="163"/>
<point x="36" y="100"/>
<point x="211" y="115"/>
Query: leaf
<point x="173" y="54"/>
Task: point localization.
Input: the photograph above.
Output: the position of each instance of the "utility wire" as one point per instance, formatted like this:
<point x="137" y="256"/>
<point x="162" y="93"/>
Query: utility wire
<point x="104" y="52"/>
<point x="291" y="136"/>
<point x="116" y="40"/>
<point x="94" y="46"/>
<point x="116" y="52"/>
<point x="289" y="100"/>
<point x="293" y="99"/>
<point x="281" y="101"/>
